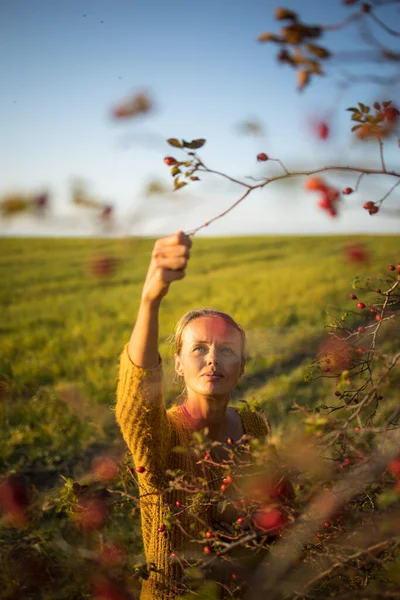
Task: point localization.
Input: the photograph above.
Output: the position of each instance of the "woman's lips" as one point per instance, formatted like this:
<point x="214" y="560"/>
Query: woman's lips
<point x="213" y="376"/>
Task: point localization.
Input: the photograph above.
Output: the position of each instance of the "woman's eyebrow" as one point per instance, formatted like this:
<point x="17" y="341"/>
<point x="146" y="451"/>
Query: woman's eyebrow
<point x="226" y="343"/>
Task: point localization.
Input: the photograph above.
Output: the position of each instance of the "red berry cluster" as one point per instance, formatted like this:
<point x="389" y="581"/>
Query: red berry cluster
<point x="371" y="207"/>
<point x="329" y="195"/>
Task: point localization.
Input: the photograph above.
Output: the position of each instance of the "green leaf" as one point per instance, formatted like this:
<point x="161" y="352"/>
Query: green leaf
<point x="175" y="143"/>
<point x="363" y="107"/>
<point x="194" y="144"/>
<point x="180" y="184"/>
<point x="175" y="171"/>
<point x="356" y="127"/>
<point x="352" y="108"/>
<point x="356" y="116"/>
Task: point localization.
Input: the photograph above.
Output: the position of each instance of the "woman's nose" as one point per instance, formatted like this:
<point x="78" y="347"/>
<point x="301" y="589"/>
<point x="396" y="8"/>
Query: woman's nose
<point x="212" y="357"/>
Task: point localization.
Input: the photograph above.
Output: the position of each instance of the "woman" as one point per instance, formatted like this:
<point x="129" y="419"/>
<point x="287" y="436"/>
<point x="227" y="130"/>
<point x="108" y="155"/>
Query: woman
<point x="210" y="357"/>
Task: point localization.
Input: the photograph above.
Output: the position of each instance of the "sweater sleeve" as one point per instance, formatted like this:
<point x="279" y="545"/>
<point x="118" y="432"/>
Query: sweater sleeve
<point x="142" y="417"/>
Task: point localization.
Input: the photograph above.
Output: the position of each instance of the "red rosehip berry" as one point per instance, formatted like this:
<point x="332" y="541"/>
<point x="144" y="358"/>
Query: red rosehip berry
<point x="229" y="441"/>
<point x="223" y="488"/>
<point x="337" y="393"/>
<point x="207" y="457"/>
<point x="209" y="534"/>
<point x="346" y="461"/>
<point x="372" y="310"/>
<point x="161" y="529"/>
<point x="357" y="429"/>
<point x="207" y="550"/>
<point x="262" y="157"/>
<point x="378" y="317"/>
<point x="327" y="524"/>
<point x="373" y="210"/>
<point x="235" y="577"/>
<point x="178" y="503"/>
<point x="140" y="469"/>
<point x="228" y="480"/>
<point x="391" y="267"/>
<point x="320" y="535"/>
<point x="240" y="520"/>
<point x="347" y="191"/>
<point x="361" y="305"/>
<point x="368" y="205"/>
<point x="353" y="296"/>
<point x="378" y="291"/>
<point x="398" y="267"/>
<point x="170" y="161"/>
<point x="361" y="329"/>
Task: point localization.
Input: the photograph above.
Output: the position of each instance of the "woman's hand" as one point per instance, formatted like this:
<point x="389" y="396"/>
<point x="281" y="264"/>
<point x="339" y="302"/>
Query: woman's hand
<point x="168" y="263"/>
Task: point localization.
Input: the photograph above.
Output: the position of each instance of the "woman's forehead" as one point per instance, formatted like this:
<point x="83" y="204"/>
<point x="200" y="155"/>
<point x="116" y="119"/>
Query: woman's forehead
<point x="211" y="328"/>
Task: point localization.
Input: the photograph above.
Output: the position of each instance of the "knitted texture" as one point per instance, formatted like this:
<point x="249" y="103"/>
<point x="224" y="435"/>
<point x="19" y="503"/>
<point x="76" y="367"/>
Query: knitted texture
<point x="152" y="433"/>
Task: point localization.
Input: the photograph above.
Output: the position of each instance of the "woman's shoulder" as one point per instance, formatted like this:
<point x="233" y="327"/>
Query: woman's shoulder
<point x="254" y="422"/>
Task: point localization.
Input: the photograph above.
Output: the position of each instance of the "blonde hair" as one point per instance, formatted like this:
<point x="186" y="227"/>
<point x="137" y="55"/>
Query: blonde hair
<point x="205" y="312"/>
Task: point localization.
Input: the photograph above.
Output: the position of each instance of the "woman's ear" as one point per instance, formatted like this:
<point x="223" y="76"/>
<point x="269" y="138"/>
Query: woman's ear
<point x="178" y="365"/>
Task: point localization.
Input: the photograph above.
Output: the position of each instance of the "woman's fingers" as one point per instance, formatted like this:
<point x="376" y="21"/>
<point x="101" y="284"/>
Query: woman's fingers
<point x="171" y="262"/>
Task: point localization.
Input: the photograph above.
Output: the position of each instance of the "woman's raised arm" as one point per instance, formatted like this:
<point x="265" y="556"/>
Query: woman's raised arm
<point x="168" y="263"/>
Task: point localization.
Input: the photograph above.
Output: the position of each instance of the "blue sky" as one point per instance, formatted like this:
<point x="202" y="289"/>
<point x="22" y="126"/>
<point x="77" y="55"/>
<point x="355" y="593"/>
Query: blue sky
<point x="65" y="65"/>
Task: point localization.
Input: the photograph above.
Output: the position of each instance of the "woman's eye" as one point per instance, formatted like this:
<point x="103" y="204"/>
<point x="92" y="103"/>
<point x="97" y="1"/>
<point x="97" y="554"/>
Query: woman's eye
<point x="226" y="350"/>
<point x="198" y="348"/>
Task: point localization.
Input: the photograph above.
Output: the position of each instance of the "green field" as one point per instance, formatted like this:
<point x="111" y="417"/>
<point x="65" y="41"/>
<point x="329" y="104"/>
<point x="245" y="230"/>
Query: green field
<point x="63" y="329"/>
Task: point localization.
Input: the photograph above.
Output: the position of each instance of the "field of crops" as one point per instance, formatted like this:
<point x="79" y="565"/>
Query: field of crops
<point x="65" y="323"/>
<point x="68" y="307"/>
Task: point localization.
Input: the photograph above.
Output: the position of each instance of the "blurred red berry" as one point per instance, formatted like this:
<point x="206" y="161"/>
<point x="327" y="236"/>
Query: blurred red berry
<point x="347" y="461"/>
<point x="391" y="268"/>
<point x="207" y="457"/>
<point x="90" y="514"/>
<point x="262" y="157"/>
<point x="356" y="253"/>
<point x="240" y="520"/>
<point x="366" y="8"/>
<point x="223" y="488"/>
<point x="14" y="500"/>
<point x="207" y="550"/>
<point x="378" y="291"/>
<point x="228" y="480"/>
<point x="394" y="467"/>
<point x="347" y="191"/>
<point x="161" y="529"/>
<point x="361" y="305"/>
<point x="357" y="428"/>
<point x="104" y="468"/>
<point x="323" y="130"/>
<point x="269" y="519"/>
<point x="327" y="524"/>
<point x="361" y="329"/>
<point x="378" y="317"/>
<point x="178" y="503"/>
<point x="170" y="161"/>
<point x="209" y="534"/>
<point x="373" y="210"/>
<point x="337" y="393"/>
<point x="111" y="555"/>
<point x="353" y="296"/>
<point x="140" y="469"/>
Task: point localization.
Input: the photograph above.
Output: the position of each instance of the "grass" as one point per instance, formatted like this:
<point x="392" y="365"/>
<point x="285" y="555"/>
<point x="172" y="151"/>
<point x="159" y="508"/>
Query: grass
<point x="63" y="328"/>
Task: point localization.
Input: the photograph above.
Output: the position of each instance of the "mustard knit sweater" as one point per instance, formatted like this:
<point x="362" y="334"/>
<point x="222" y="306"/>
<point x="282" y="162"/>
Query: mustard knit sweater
<point x="151" y="433"/>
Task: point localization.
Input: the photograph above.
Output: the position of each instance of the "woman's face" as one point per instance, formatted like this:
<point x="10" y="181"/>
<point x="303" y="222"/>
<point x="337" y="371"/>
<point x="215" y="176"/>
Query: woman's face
<point x="211" y="358"/>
